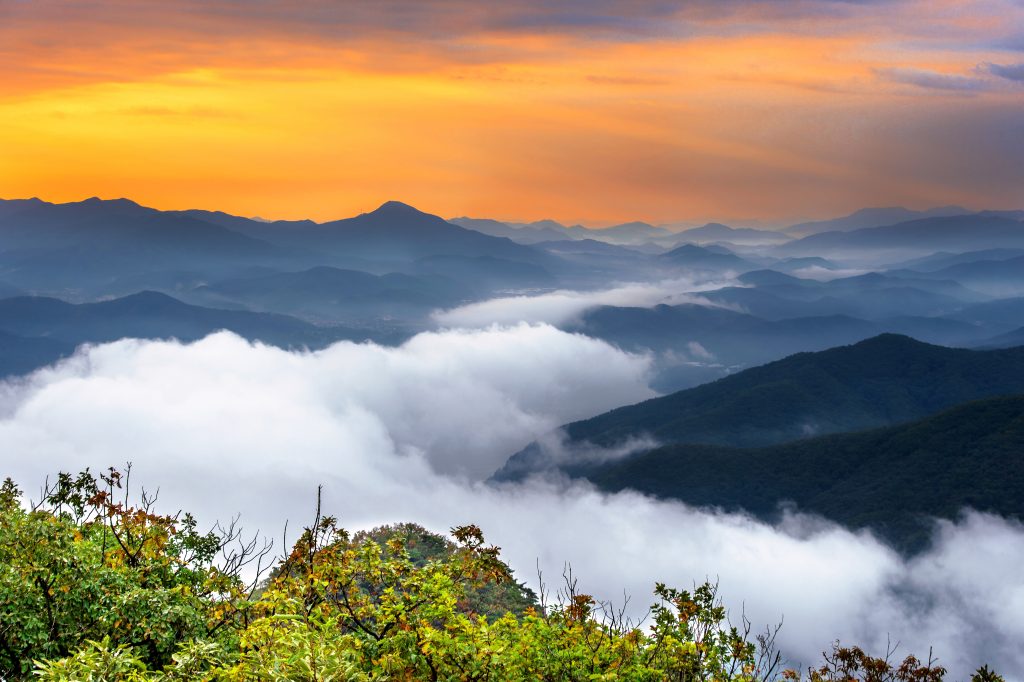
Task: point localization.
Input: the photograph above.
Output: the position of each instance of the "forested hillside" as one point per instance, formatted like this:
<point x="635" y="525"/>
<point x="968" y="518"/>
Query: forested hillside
<point x="881" y="381"/>
<point x="894" y="481"/>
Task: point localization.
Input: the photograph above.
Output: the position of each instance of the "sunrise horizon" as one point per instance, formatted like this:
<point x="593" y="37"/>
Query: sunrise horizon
<point x="592" y="114"/>
<point x="678" y="224"/>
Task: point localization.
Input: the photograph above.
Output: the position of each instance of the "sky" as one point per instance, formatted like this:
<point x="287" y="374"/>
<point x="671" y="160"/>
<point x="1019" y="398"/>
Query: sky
<point x="583" y="110"/>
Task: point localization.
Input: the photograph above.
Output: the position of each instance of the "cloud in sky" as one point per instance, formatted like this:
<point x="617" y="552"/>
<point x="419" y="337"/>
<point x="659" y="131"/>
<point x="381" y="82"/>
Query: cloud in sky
<point x="439" y="20"/>
<point x="924" y="78"/>
<point x="587" y="112"/>
<point x="980" y="81"/>
<point x="1013" y="72"/>
<point x="456" y="19"/>
<point x="223" y="427"/>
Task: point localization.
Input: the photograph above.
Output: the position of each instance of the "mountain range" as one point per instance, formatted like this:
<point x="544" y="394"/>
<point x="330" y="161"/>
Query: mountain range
<point x="332" y="294"/>
<point x="393" y="233"/>
<point x="734" y="340"/>
<point x="923" y="236"/>
<point x="844" y="415"/>
<point x="717" y="232"/>
<point x="1001" y="277"/>
<point x="99" y="247"/>
<point x="881" y="381"/>
<point x="35" y="331"/>
<point x="697" y="258"/>
<point x="872" y="217"/>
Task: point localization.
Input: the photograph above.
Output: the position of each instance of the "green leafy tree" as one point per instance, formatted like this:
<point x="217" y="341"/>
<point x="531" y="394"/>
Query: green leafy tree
<point x="983" y="674"/>
<point x="491" y="598"/>
<point x="852" y="664"/>
<point x="82" y="566"/>
<point x="95" y="588"/>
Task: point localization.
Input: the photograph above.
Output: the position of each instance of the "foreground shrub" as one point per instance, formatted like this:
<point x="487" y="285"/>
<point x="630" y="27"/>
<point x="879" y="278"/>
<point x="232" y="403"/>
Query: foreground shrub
<point x="93" y="588"/>
<point x="82" y="566"/>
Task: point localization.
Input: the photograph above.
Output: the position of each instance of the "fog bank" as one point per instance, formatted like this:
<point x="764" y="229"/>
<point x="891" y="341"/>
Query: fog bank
<point x="394" y="434"/>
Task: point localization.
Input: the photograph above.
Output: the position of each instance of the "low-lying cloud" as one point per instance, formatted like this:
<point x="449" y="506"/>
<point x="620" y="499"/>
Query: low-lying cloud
<point x="460" y="400"/>
<point x="225" y="427"/>
<point x="566" y="306"/>
<point x="816" y="272"/>
<point x="1012" y="72"/>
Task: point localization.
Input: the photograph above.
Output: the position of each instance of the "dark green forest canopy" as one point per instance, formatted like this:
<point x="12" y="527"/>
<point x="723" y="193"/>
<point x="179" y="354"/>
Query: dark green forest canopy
<point x="893" y="480"/>
<point x="884" y="380"/>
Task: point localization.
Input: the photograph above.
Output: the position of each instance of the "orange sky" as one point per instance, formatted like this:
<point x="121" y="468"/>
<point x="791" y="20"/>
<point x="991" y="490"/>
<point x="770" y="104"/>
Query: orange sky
<point x="585" y="110"/>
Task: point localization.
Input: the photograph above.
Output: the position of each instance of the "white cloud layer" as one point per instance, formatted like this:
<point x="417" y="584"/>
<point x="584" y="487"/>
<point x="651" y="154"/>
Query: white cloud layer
<point x="398" y="434"/>
<point x="461" y="400"/>
<point x="564" y="306"/>
<point x="821" y="274"/>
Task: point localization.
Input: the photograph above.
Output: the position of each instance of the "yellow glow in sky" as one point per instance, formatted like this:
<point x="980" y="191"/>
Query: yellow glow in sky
<point x="729" y="116"/>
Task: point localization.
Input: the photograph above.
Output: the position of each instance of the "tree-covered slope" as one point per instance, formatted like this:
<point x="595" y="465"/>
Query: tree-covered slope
<point x="890" y="480"/>
<point x="878" y="382"/>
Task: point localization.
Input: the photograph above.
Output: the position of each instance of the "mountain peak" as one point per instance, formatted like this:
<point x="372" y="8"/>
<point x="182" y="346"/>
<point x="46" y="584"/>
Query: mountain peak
<point x="396" y="207"/>
<point x="114" y="203"/>
<point x="31" y="200"/>
<point x="546" y="223"/>
<point x="891" y="339"/>
<point x="688" y="248"/>
<point x="868" y="210"/>
<point x="635" y="224"/>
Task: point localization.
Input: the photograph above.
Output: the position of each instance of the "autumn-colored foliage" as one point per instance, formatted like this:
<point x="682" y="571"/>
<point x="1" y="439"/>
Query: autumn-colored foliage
<point x="93" y="587"/>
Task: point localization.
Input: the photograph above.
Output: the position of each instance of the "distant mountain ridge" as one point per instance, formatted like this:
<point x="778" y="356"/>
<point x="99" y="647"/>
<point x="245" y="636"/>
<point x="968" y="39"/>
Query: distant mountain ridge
<point x="328" y="293"/>
<point x="717" y="232"/>
<point x="523" y="235"/>
<point x="696" y="257"/>
<point x="58" y="327"/>
<point x="630" y="233"/>
<point x="1001" y="278"/>
<point x="393" y="232"/>
<point x="872" y="217"/>
<point x="36" y="224"/>
<point x="749" y="327"/>
<point x="633" y="233"/>
<point x="926" y="235"/>
<point x="87" y="247"/>
<point x="942" y="259"/>
<point x="858" y="284"/>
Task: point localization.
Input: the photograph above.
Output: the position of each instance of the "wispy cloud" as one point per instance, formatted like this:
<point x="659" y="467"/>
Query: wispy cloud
<point x="564" y="306"/>
<point x="934" y="80"/>
<point x="1013" y="72"/>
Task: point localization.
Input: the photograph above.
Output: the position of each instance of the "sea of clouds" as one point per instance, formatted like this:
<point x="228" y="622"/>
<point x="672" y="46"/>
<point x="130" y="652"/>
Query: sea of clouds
<point x="409" y="433"/>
